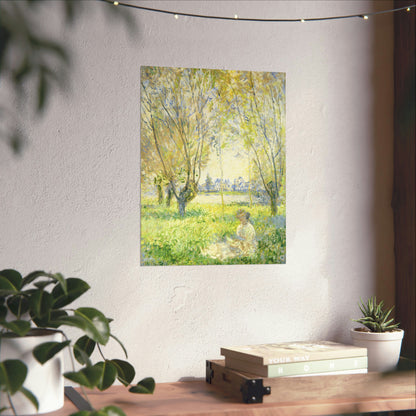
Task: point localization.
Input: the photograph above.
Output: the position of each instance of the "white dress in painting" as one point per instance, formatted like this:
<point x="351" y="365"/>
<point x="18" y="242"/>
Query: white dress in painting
<point x="245" y="244"/>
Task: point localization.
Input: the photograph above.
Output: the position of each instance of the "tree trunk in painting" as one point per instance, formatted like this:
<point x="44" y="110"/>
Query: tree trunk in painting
<point x="273" y="192"/>
<point x="273" y="207"/>
<point x="169" y="193"/>
<point x="159" y="188"/>
<point x="159" y="194"/>
<point x="181" y="207"/>
<point x="187" y="194"/>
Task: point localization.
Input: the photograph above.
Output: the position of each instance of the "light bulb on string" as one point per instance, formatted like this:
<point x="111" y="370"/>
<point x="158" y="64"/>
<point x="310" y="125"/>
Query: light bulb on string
<point x="248" y="19"/>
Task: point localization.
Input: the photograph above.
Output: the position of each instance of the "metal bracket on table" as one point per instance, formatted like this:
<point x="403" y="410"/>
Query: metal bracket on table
<point x="77" y="399"/>
<point x="253" y="390"/>
<point x="209" y="372"/>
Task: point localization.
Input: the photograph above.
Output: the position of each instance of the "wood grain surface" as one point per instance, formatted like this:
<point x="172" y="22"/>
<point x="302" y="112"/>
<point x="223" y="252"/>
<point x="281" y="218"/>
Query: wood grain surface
<point x="200" y="398"/>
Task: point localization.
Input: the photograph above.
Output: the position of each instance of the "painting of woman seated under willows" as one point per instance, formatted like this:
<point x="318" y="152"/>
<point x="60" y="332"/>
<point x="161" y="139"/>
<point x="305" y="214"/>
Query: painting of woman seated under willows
<point x="213" y="167"/>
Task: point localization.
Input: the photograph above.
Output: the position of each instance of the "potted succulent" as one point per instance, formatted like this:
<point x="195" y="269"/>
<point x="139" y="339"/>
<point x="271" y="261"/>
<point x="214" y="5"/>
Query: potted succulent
<point x="34" y="310"/>
<point x="380" y="335"/>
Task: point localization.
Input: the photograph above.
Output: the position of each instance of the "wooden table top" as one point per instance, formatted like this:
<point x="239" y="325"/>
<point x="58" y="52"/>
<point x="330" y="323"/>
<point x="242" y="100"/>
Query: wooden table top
<point x="202" y="399"/>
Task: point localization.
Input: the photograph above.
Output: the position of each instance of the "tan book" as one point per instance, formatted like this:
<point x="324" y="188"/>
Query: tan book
<point x="291" y="352"/>
<point x="300" y="367"/>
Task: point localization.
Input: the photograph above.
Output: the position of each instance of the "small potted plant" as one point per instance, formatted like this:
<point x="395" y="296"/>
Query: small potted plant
<point x="34" y="310"/>
<point x="380" y="335"/>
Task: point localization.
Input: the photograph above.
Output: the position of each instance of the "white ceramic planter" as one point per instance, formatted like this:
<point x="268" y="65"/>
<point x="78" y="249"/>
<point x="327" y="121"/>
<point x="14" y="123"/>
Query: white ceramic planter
<point x="44" y="381"/>
<point x="383" y="348"/>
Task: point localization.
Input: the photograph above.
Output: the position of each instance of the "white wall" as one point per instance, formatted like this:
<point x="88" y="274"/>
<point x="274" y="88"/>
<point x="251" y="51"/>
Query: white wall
<point x="71" y="202"/>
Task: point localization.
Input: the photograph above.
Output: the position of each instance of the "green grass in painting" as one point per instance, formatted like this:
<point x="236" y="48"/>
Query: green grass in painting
<point x="168" y="239"/>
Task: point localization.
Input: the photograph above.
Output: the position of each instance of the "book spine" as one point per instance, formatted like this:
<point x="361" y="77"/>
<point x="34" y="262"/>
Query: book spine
<point x="288" y="357"/>
<point x="314" y="356"/>
<point x="334" y="373"/>
<point x="290" y="369"/>
<point x="312" y="367"/>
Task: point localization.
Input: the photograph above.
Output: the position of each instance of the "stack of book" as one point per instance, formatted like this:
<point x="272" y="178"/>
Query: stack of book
<point x="296" y="359"/>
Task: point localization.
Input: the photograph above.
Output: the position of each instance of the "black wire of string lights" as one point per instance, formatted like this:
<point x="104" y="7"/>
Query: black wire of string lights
<point x="364" y="16"/>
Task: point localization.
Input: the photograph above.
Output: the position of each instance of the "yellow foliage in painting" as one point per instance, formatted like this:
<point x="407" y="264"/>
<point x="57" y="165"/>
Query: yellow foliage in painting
<point x="195" y="121"/>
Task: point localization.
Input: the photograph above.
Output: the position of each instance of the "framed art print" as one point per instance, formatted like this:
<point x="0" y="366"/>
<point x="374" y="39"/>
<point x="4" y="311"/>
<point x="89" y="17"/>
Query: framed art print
<point x="213" y="167"/>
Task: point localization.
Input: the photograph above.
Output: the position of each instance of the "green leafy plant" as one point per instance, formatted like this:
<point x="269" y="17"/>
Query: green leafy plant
<point x="375" y="317"/>
<point x="31" y="60"/>
<point x="41" y="300"/>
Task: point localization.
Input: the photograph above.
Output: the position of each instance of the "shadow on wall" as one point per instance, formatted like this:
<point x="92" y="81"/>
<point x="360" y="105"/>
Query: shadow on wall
<point x="372" y="196"/>
<point x="382" y="140"/>
<point x="403" y="201"/>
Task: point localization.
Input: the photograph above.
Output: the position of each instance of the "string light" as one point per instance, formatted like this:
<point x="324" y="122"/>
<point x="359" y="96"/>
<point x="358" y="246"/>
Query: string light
<point x="245" y="19"/>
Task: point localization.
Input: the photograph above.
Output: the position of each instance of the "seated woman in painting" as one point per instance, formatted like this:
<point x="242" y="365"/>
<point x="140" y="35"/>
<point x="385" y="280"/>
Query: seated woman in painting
<point x="243" y="245"/>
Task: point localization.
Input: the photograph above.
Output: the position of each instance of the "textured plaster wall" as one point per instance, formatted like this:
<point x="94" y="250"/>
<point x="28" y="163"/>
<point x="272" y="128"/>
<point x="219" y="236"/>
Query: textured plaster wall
<point x="71" y="202"/>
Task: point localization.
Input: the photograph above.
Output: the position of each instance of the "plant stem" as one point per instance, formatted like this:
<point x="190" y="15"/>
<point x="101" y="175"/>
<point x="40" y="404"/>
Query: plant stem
<point x="73" y="369"/>
<point x="11" y="404"/>
<point x="101" y="353"/>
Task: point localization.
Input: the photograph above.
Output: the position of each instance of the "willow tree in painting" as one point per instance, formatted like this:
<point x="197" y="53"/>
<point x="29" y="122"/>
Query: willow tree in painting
<point x="214" y="142"/>
<point x="176" y="121"/>
<point x="259" y="104"/>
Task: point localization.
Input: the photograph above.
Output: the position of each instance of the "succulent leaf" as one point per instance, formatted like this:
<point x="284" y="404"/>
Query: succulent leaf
<point x="374" y="317"/>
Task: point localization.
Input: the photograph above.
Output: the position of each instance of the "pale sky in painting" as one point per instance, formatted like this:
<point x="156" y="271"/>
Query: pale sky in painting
<point x="233" y="167"/>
